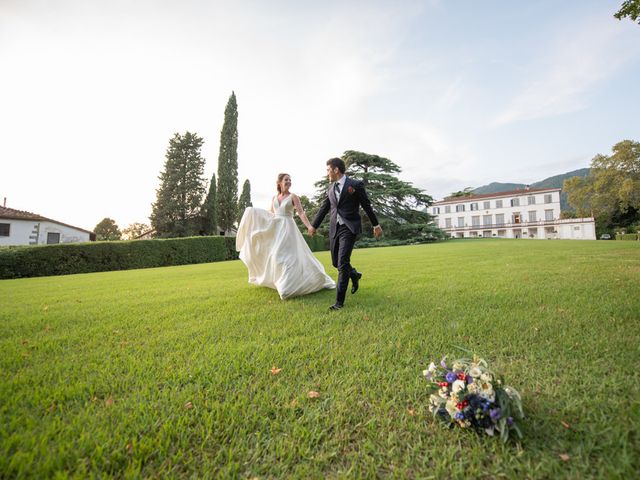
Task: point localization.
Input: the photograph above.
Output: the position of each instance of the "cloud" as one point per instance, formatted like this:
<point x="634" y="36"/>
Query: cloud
<point x="577" y="61"/>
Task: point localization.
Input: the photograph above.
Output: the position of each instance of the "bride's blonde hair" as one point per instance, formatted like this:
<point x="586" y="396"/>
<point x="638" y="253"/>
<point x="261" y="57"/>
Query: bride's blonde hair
<point x="280" y="177"/>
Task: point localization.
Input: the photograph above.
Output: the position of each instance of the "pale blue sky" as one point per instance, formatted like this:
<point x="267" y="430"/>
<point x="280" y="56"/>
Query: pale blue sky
<point x="457" y="93"/>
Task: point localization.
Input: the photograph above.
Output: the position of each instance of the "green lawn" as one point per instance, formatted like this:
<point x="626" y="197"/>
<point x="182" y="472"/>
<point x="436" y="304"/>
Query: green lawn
<point x="166" y="372"/>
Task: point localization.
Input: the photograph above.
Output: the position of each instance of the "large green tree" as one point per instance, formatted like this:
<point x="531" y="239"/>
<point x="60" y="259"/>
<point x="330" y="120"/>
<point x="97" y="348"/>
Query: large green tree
<point x="611" y="191"/>
<point x="210" y="209"/>
<point x="399" y="206"/>
<point x="107" y="230"/>
<point x="245" y="199"/>
<point x="630" y="9"/>
<point x="228" y="167"/>
<point x="176" y="211"/>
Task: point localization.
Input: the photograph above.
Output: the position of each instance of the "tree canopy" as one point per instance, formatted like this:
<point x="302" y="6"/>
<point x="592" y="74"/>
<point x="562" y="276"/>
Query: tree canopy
<point x="630" y="9"/>
<point x="134" y="230"/>
<point x="245" y="199"/>
<point x="176" y="211"/>
<point x="210" y="210"/>
<point x="107" y="229"/>
<point x="612" y="189"/>
<point x="227" y="192"/>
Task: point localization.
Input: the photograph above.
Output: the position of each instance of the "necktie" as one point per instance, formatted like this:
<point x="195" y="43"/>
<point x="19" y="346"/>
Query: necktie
<point x="336" y="187"/>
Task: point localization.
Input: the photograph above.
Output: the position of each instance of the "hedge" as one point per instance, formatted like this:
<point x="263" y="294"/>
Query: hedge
<point x="70" y="258"/>
<point x="627" y="236"/>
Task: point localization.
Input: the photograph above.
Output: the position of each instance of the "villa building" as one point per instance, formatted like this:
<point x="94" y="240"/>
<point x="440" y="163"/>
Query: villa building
<point x="526" y="213"/>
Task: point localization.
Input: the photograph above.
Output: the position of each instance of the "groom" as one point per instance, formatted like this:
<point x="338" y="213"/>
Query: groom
<point x="344" y="198"/>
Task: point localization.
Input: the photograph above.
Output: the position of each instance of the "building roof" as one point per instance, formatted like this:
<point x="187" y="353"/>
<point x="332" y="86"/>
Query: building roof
<point x="510" y="193"/>
<point x="13" y="214"/>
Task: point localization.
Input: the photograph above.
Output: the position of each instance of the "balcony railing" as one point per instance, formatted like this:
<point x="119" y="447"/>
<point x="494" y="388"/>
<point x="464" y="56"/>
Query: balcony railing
<point x="537" y="223"/>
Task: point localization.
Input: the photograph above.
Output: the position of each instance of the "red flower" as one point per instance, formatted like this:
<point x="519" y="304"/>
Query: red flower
<point x="443" y="384"/>
<point x="350" y="190"/>
<point x="460" y="406"/>
<point x="461" y="376"/>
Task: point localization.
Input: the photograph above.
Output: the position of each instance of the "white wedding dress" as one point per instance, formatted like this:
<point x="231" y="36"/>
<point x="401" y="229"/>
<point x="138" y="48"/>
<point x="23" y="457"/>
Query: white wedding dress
<point x="275" y="253"/>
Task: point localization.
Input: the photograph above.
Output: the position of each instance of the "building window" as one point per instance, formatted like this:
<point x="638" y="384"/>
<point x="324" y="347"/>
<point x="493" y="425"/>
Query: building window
<point x="548" y="198"/>
<point x="53" y="238"/>
<point x="486" y="220"/>
<point x="474" y="206"/>
<point x="498" y="203"/>
<point x="460" y="222"/>
<point x="5" y="229"/>
<point x="531" y="200"/>
<point x="487" y="205"/>
<point x="447" y="209"/>
<point x="447" y="223"/>
<point x="548" y="215"/>
<point x="532" y="216"/>
<point x="475" y="221"/>
<point x="500" y="219"/>
<point x="460" y="207"/>
<point x="515" y="202"/>
<point x="436" y="210"/>
<point x="517" y="218"/>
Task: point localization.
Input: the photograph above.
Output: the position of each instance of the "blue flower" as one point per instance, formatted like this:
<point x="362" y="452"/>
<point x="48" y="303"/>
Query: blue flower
<point x="459" y="416"/>
<point x="509" y="421"/>
<point x="469" y="379"/>
<point x="495" y="414"/>
<point x="451" y="377"/>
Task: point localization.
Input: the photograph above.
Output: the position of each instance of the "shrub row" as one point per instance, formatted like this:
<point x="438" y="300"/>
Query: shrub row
<point x="627" y="236"/>
<point x="64" y="259"/>
<point x="69" y="258"/>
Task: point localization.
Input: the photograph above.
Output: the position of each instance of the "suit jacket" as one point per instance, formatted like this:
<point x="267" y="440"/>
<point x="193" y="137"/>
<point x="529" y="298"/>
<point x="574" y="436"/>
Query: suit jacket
<point x="348" y="206"/>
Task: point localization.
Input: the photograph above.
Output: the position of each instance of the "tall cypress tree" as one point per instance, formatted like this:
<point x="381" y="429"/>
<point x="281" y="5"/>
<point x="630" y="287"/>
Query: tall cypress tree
<point x="245" y="199"/>
<point x="176" y="211"/>
<point x="209" y="210"/>
<point x="228" y="167"/>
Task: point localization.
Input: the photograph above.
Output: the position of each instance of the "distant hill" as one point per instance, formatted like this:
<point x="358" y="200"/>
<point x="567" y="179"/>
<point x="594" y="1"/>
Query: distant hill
<point x="552" y="182"/>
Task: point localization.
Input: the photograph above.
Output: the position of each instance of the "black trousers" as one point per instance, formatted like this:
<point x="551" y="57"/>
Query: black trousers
<point x="341" y="248"/>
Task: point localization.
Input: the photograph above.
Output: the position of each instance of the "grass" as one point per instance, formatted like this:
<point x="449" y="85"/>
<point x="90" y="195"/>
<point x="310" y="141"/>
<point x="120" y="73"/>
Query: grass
<point x="166" y="372"/>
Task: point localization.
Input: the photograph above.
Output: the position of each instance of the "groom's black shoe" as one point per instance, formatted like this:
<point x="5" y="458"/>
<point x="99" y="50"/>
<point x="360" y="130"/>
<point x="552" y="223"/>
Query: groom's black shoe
<point x="336" y="306"/>
<point x="355" y="281"/>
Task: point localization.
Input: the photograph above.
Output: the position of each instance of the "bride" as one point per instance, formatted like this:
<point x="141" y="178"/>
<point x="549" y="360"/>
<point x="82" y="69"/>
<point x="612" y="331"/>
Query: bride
<point x="273" y="249"/>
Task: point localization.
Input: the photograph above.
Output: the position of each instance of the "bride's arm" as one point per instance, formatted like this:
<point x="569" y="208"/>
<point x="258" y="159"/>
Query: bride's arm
<point x="300" y="210"/>
<point x="271" y="206"/>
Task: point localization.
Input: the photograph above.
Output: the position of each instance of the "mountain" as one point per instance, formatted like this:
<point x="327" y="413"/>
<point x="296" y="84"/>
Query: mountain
<point x="552" y="182"/>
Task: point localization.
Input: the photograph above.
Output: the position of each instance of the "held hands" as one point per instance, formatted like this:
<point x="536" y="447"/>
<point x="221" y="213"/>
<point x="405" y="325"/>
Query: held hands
<point x="311" y="231"/>
<point x="377" y="231"/>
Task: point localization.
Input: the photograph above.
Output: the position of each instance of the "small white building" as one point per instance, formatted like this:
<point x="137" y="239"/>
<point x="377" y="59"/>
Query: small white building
<point x="526" y="213"/>
<point x="25" y="228"/>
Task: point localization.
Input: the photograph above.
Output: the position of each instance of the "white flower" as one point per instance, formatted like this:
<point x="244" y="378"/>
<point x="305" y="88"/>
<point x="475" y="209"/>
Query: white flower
<point x="457" y="366"/>
<point x="443" y="392"/>
<point x="488" y="393"/>
<point x="430" y="371"/>
<point x="458" y="386"/>
<point x="473" y="387"/>
<point x="475" y="371"/>
<point x="485" y="377"/>
<point x="451" y="408"/>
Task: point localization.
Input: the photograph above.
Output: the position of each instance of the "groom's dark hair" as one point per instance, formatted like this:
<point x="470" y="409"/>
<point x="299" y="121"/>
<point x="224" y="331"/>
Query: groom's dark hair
<point x="337" y="163"/>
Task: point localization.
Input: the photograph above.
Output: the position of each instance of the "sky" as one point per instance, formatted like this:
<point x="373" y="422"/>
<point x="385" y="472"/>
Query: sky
<point x="458" y="94"/>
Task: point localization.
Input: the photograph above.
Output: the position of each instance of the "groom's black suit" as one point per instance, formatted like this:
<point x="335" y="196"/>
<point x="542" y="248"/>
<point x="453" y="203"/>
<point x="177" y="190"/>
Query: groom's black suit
<point x="342" y="235"/>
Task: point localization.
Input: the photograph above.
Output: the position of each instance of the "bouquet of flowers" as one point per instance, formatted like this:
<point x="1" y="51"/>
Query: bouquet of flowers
<point x="469" y="395"/>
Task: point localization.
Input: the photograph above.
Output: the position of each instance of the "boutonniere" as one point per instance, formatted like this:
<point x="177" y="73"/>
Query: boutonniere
<point x="350" y="190"/>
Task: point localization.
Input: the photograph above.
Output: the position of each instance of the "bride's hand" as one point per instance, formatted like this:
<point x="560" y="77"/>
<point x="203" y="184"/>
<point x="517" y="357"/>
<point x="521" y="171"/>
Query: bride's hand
<point x="311" y="231"/>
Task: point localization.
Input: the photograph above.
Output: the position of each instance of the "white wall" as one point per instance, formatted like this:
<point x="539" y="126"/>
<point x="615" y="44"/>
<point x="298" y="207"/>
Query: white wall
<point x="21" y="231"/>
